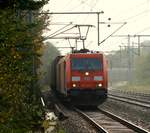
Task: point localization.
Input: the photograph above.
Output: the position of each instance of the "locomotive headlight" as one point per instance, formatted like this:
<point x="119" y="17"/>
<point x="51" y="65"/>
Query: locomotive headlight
<point x="74" y="85"/>
<point x="86" y="73"/>
<point x="99" y="85"/>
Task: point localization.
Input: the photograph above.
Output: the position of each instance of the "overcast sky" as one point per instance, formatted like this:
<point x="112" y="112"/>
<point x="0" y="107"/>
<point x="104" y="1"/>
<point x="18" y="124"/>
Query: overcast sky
<point x="135" y="12"/>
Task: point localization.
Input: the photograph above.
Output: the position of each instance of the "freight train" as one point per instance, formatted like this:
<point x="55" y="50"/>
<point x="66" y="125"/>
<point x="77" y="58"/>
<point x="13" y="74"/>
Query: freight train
<point x="80" y="78"/>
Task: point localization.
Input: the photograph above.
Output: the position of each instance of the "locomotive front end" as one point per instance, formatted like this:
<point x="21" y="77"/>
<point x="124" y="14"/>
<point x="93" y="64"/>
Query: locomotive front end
<point x="88" y="79"/>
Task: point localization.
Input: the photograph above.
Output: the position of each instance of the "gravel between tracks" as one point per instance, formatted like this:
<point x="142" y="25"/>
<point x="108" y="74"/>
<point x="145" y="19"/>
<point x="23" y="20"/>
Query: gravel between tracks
<point x="74" y="123"/>
<point x="137" y="115"/>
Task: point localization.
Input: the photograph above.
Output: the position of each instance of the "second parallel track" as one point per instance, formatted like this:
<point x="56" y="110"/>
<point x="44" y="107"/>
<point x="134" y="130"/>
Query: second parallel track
<point x="106" y="122"/>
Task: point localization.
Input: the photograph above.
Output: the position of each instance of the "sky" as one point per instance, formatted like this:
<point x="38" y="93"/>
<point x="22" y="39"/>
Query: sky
<point x="135" y="12"/>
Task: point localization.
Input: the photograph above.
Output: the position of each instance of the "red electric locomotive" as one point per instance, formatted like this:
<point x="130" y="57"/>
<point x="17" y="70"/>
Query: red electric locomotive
<point x="81" y="77"/>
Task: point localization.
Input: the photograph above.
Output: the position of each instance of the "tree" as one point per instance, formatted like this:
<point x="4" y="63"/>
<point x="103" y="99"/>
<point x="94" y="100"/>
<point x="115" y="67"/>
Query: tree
<point x="20" y="108"/>
<point x="22" y="4"/>
<point x="143" y="69"/>
<point x="49" y="54"/>
<point x="142" y="64"/>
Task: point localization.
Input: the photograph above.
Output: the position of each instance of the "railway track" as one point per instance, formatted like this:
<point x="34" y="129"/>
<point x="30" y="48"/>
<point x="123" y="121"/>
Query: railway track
<point x="140" y="96"/>
<point x="106" y="122"/>
<point x="134" y="101"/>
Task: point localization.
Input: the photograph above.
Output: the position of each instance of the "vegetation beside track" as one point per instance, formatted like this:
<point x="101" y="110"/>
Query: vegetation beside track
<point x="138" y="88"/>
<point x="49" y="54"/>
<point x="135" y="88"/>
<point x="20" y="43"/>
<point x="131" y="73"/>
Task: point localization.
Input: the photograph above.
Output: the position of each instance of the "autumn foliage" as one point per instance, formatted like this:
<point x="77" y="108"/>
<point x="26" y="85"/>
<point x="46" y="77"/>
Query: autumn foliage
<point x="20" y="39"/>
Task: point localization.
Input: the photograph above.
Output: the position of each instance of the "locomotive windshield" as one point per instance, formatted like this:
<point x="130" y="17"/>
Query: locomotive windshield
<point x="86" y="64"/>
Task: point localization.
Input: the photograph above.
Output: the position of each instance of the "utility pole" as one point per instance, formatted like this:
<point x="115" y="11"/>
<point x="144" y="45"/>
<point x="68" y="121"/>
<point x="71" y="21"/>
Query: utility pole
<point x="133" y="52"/>
<point x="129" y="60"/>
<point x="120" y="56"/>
<point x="98" y="21"/>
<point x="139" y="45"/>
<point x="139" y="40"/>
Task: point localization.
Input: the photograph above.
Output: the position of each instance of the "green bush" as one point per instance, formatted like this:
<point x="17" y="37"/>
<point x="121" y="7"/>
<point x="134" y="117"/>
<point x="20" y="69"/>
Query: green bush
<point x="20" y="106"/>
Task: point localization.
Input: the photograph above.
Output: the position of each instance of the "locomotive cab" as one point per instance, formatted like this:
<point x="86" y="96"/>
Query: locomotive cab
<point x="88" y="79"/>
<point x="82" y="78"/>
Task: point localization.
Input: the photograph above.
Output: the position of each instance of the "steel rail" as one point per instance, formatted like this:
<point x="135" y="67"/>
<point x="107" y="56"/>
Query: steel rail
<point x="125" y="122"/>
<point x="135" y="99"/>
<point x="95" y="124"/>
<point x="60" y="113"/>
<point x="130" y="93"/>
<point x="130" y="102"/>
<point x="128" y="125"/>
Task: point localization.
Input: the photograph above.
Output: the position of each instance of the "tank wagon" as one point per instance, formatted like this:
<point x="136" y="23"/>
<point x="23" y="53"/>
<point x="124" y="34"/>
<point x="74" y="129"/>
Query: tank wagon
<point x="81" y="78"/>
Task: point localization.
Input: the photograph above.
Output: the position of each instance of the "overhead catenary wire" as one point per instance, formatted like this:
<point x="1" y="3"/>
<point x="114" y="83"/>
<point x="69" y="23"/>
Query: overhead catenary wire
<point x="113" y="32"/>
<point x="68" y="3"/>
<point x="91" y="8"/>
<point x="69" y="42"/>
<point x="56" y="32"/>
<point x="77" y="6"/>
<point x="136" y="7"/>
<point x="92" y="2"/>
<point x="141" y="31"/>
<point x="133" y="16"/>
<point x="136" y="15"/>
<point x="82" y="2"/>
<point x="62" y="31"/>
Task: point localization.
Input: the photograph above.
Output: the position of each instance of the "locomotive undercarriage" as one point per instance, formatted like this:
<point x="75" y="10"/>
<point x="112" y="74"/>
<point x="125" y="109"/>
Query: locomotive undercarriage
<point x="89" y="97"/>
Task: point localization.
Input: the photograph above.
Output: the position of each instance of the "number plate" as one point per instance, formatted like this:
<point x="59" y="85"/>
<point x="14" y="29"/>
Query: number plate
<point x="87" y="78"/>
